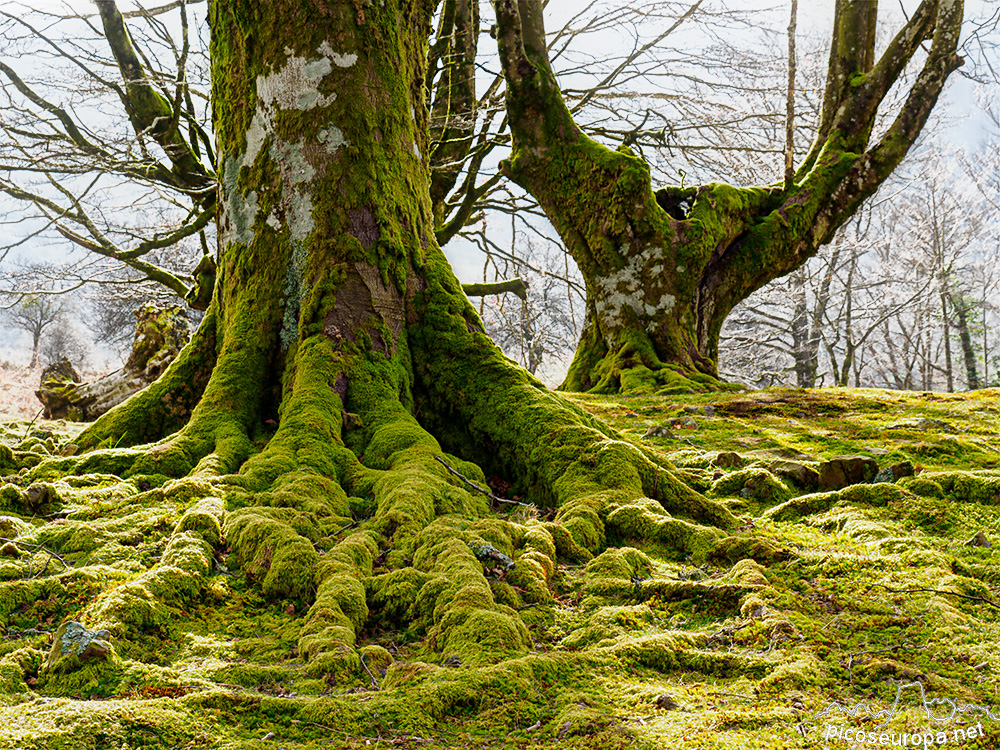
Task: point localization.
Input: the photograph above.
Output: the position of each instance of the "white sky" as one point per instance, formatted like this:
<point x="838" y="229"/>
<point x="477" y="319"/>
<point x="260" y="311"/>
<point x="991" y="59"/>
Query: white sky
<point x="815" y="17"/>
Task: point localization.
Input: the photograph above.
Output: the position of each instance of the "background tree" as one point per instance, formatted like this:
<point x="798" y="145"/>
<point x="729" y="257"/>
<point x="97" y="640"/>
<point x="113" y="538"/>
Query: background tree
<point x="899" y="293"/>
<point x="68" y="165"/>
<point x="34" y="315"/>
<point x="541" y="329"/>
<point x="36" y="307"/>
<point x="664" y="269"/>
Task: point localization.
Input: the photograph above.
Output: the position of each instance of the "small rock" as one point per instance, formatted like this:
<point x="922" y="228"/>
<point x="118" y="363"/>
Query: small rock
<point x="70" y="449"/>
<point x="453" y="661"/>
<point x="800" y="475"/>
<point x="657" y="431"/>
<point x="290" y="609"/>
<point x="73" y="644"/>
<point x="728" y="460"/>
<point x="902" y="469"/>
<point x="979" y="540"/>
<point x="884" y="475"/>
<point x="894" y="472"/>
<point x="842" y="471"/>
<point x="666" y="702"/>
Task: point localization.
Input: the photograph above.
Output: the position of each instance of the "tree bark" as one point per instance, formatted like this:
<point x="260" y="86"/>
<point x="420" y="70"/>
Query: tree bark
<point x="962" y="306"/>
<point x="949" y="369"/>
<point x="160" y="334"/>
<point x="347" y="360"/>
<point x="35" y="339"/>
<point x="664" y="268"/>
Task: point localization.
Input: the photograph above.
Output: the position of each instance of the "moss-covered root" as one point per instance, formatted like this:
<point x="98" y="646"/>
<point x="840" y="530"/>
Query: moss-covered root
<point x="327" y="639"/>
<point x="434" y="574"/>
<point x="147" y="604"/>
<point x="470" y="395"/>
<point x="633" y="367"/>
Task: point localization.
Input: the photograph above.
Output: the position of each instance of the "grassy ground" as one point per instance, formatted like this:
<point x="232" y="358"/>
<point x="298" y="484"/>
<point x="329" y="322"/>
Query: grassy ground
<point x="17" y="392"/>
<point x="851" y="597"/>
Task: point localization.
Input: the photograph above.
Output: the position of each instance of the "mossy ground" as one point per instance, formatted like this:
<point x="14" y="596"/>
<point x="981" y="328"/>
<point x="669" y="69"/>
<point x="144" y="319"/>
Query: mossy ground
<point x="750" y="650"/>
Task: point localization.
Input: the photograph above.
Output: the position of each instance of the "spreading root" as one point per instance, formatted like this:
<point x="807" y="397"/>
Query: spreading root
<point x="634" y="368"/>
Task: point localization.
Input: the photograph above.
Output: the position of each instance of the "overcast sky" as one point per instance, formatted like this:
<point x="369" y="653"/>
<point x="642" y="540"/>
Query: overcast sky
<point x="815" y="17"/>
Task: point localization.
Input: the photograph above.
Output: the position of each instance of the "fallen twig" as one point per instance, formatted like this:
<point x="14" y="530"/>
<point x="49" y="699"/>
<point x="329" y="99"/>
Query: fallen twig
<point x="52" y="555"/>
<point x="370" y="675"/>
<point x="981" y="599"/>
<point x="477" y="488"/>
<point x="33" y="420"/>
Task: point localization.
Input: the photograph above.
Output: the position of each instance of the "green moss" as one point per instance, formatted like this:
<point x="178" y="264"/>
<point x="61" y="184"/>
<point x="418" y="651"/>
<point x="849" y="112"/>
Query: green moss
<point x="70" y="724"/>
<point x="735" y="548"/>
<point x="7" y="462"/>
<point x="754" y="484"/>
<point x="340" y="608"/>
<point x="205" y="520"/>
<point x="267" y="546"/>
<point x="874" y="495"/>
<point x="964" y="486"/>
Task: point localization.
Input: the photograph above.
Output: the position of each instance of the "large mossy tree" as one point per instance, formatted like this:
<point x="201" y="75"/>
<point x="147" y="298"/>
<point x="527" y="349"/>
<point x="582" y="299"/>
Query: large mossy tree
<point x="340" y="367"/>
<point x="664" y="267"/>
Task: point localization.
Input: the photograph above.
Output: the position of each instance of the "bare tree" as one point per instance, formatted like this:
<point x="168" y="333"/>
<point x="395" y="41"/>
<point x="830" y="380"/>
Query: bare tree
<point x="104" y="128"/>
<point x="35" y="314"/>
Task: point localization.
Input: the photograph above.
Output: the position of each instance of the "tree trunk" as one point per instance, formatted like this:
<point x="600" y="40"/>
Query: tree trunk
<point x="159" y="336"/>
<point x="803" y="348"/>
<point x="962" y="306"/>
<point x="664" y="268"/>
<point x="949" y="370"/>
<point x="348" y="351"/>
<point x="35" y="338"/>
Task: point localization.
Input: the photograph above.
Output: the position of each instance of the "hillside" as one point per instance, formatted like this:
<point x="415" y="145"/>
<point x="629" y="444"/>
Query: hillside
<point x="851" y="581"/>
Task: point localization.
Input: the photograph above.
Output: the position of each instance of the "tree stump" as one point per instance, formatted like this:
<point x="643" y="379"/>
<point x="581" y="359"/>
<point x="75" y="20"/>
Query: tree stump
<point x="160" y="333"/>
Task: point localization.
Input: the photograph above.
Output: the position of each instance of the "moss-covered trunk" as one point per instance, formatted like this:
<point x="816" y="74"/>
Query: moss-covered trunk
<point x="346" y="363"/>
<point x="664" y="268"/>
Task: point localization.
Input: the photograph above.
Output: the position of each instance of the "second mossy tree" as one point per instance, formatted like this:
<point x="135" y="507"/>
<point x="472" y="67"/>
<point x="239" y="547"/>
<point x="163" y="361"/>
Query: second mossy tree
<point x="663" y="268"/>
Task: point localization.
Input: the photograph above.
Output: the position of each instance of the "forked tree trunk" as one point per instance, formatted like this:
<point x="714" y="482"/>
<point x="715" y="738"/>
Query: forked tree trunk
<point x="663" y="268"/>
